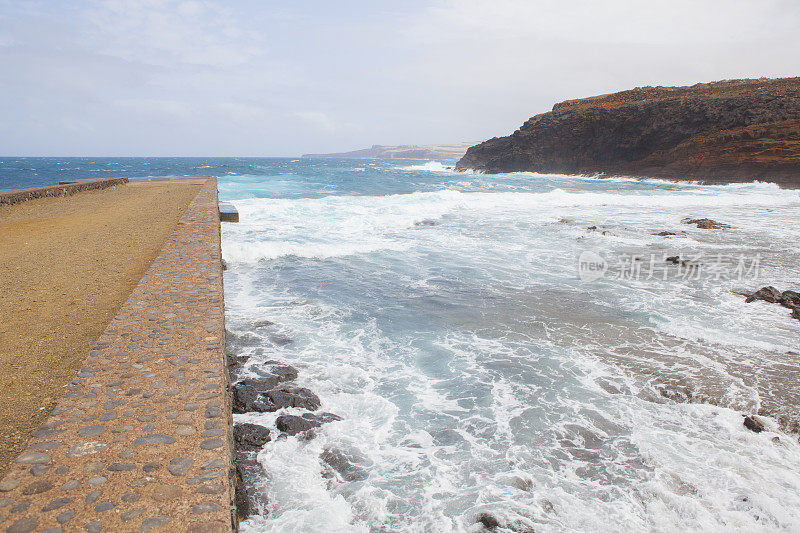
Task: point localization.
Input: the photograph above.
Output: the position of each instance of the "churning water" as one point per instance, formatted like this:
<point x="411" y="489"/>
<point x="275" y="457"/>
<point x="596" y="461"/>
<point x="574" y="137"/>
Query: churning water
<point x="442" y="316"/>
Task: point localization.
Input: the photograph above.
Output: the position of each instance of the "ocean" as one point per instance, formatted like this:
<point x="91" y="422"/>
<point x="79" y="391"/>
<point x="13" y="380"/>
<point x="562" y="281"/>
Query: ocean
<point x="515" y="346"/>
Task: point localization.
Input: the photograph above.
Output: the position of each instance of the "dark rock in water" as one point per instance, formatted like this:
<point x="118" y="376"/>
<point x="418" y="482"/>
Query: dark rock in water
<point x="343" y="464"/>
<point x="753" y="424"/>
<point x="249" y="397"/>
<point x="488" y="521"/>
<point x="676" y="260"/>
<point x="263" y="323"/>
<point x="292" y="424"/>
<point x="233" y="341"/>
<point x="280" y="340"/>
<point x="790" y="299"/>
<point x="796" y="313"/>
<point x="768" y="294"/>
<point x="664" y="234"/>
<point x="250" y="436"/>
<point x="282" y="371"/>
<point x="592" y="228"/>
<point x="288" y="396"/>
<point x="705" y="223"/>
<point x="249" y="500"/>
<point x="425" y="222"/>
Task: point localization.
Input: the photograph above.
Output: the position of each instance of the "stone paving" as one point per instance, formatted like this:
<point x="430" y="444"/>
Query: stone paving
<point x="141" y="439"/>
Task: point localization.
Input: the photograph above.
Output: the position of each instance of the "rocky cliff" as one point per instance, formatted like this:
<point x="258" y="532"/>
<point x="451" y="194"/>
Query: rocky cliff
<point x="738" y="130"/>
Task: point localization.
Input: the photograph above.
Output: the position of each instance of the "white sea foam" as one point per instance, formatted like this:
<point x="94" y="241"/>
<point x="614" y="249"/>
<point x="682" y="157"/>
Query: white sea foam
<point x="474" y="373"/>
<point x="430" y="166"/>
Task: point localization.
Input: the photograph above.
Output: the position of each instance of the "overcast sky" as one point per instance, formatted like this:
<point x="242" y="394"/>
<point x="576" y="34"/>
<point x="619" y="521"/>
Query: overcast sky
<point x="260" y="77"/>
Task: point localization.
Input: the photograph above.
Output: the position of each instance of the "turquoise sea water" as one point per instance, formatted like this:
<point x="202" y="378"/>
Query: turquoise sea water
<point x="443" y="316"/>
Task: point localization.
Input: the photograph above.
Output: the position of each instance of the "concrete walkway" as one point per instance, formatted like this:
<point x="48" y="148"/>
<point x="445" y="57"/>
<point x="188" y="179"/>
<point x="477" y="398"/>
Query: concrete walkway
<point x="140" y="440"/>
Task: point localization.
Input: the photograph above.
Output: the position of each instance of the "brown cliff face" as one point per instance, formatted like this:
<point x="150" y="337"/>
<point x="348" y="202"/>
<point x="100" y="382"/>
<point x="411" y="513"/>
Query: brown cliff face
<point x="740" y="130"/>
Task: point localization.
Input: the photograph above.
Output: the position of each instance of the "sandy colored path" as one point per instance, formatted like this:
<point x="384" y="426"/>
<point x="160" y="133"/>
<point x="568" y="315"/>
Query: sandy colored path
<point x="66" y="267"/>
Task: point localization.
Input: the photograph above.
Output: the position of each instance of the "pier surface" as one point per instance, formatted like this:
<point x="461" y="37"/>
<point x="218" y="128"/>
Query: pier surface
<point x="139" y="439"/>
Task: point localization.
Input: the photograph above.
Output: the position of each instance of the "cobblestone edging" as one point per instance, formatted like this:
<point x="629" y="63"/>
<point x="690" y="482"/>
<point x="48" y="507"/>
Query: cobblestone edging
<point x="23" y="195"/>
<point x="141" y="440"/>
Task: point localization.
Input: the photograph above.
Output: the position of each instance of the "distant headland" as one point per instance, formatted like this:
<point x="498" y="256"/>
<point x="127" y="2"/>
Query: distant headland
<point x="726" y="131"/>
<point x="404" y="151"/>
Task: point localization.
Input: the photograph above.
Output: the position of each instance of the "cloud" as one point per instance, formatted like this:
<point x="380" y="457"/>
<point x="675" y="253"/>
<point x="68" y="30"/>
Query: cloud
<point x="318" y="120"/>
<point x="170" y="32"/>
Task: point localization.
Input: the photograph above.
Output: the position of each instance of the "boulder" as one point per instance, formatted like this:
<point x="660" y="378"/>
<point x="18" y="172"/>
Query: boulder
<point x="753" y="424"/>
<point x="489" y="521"/>
<point x="289" y="396"/>
<point x="292" y="424"/>
<point x="705" y="223"/>
<point x="790" y="299"/>
<point x="250" y="436"/>
<point x="768" y="294"/>
<point x="344" y="464"/>
<point x="249" y="473"/>
<point x="282" y="371"/>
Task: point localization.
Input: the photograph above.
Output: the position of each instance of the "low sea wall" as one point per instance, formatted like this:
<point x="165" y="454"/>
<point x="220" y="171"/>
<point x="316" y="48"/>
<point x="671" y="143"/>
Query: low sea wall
<point x="23" y="195"/>
<point x="141" y="439"/>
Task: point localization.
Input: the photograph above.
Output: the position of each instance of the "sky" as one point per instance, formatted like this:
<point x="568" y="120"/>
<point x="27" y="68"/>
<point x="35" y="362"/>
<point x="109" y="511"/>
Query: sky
<point x="269" y="78"/>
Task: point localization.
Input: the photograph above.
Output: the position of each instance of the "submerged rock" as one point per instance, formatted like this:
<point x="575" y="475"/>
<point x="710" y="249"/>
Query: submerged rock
<point x="425" y="222"/>
<point x="489" y="521"/>
<point x="250" y="436"/>
<point x="263" y="323"/>
<point x="344" y="464"/>
<point x="768" y="294"/>
<point x="753" y="424"/>
<point x="293" y="424"/>
<point x="282" y="371"/>
<point x="790" y="299"/>
<point x="664" y="234"/>
<point x="280" y="340"/>
<point x="705" y="223"/>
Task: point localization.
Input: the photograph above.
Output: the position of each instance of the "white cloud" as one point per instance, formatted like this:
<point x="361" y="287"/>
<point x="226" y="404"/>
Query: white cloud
<point x="170" y="32"/>
<point x="318" y="120"/>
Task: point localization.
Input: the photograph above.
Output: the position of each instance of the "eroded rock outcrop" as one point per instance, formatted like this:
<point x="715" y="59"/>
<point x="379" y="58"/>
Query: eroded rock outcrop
<point x="737" y="130"/>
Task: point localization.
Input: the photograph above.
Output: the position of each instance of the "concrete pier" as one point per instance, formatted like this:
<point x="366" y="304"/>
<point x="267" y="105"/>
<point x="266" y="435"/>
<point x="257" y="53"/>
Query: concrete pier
<point x="141" y="439"/>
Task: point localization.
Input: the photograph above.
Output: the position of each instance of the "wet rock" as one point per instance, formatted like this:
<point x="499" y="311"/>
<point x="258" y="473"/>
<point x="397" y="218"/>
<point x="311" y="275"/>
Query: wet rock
<point x="344" y="464"/>
<point x="248" y="498"/>
<point x="488" y="521"/>
<point x="768" y="294"/>
<point x="263" y="323"/>
<point x="288" y="396"/>
<point x="292" y="424"/>
<point x="425" y="223"/>
<point x="705" y="223"/>
<point x="753" y="424"/>
<point x="247" y="398"/>
<point x="664" y="234"/>
<point x="790" y="299"/>
<point x="282" y="371"/>
<point x="676" y="260"/>
<point x="280" y="340"/>
<point x="250" y="436"/>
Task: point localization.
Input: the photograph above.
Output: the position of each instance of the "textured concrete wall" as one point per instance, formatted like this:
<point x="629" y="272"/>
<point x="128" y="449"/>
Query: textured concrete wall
<point x="23" y="195"/>
<point x="141" y="440"/>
